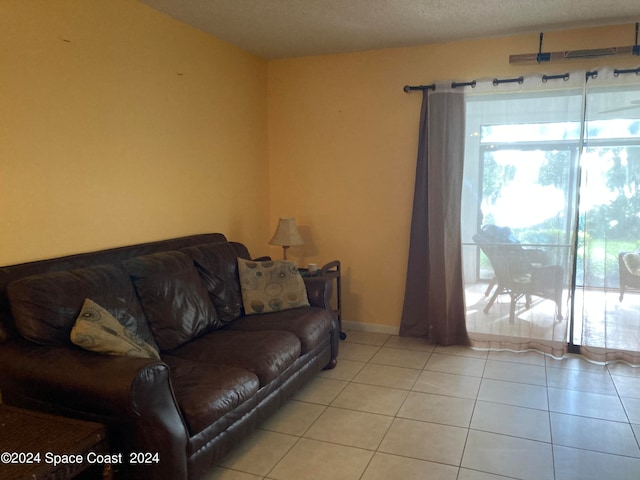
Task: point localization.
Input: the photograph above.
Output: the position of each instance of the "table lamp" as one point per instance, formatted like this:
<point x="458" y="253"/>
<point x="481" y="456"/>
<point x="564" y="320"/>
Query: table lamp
<point x="286" y="235"/>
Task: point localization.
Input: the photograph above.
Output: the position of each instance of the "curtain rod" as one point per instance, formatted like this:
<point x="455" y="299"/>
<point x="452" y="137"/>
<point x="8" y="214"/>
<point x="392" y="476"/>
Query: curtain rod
<point x="520" y="80"/>
<point x="472" y="84"/>
<point x="545" y="57"/>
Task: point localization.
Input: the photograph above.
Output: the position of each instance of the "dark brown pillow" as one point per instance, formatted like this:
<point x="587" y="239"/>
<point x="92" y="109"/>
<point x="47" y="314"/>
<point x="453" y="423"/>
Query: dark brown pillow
<point x="173" y="297"/>
<point x="217" y="265"/>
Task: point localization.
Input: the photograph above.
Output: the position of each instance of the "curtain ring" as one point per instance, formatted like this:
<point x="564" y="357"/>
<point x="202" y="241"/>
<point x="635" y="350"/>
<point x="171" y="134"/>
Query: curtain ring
<point x="546" y="78"/>
<point x="471" y="84"/>
<point x="519" y="80"/>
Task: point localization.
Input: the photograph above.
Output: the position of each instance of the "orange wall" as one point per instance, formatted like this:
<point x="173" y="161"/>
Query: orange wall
<point x="343" y="144"/>
<point x="120" y="125"/>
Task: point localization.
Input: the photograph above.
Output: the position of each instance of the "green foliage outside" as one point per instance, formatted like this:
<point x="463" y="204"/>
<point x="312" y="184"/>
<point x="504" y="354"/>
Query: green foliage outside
<point x="609" y="226"/>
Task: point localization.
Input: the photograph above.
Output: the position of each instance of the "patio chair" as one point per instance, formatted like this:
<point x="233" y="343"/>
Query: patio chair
<point x="519" y="272"/>
<point x="629" y="268"/>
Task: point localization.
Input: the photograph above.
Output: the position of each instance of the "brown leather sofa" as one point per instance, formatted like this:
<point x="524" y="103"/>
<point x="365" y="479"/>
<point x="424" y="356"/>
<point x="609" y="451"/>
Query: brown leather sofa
<point x="216" y="380"/>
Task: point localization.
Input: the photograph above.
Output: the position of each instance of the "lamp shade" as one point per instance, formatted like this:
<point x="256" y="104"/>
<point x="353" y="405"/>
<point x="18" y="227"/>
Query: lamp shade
<point x="287" y="233"/>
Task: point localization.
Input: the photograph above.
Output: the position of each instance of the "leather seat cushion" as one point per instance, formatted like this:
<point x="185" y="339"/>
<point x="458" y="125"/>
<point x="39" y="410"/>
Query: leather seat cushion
<point x="267" y="353"/>
<point x="206" y="392"/>
<point x="311" y="325"/>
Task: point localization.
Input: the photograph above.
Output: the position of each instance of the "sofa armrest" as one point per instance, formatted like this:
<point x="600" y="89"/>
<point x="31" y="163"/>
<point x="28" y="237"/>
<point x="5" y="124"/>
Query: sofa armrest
<point x="319" y="291"/>
<point x="71" y="377"/>
<point x="132" y="396"/>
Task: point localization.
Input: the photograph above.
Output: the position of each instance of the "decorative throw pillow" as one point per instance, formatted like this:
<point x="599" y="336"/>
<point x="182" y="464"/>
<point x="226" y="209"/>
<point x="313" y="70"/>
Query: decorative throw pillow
<point x="271" y="286"/>
<point x="98" y="331"/>
<point x="217" y="266"/>
<point x="173" y="297"/>
<point x="632" y="262"/>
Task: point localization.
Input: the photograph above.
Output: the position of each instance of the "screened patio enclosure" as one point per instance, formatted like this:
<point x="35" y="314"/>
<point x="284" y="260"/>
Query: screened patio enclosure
<point x="550" y="201"/>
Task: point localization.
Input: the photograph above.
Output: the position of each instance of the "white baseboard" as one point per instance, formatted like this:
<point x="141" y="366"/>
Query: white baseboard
<point x="370" y="327"/>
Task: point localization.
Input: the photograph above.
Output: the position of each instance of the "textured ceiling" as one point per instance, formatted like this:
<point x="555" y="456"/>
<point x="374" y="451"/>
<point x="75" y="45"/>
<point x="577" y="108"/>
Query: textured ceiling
<point x="292" y="28"/>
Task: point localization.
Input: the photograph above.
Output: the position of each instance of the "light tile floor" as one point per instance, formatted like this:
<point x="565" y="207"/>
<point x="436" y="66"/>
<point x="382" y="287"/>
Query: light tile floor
<point x="400" y="408"/>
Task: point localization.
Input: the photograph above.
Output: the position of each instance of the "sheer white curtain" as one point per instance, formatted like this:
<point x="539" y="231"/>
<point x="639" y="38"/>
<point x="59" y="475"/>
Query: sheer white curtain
<point x="551" y="196"/>
<point x="521" y="165"/>
<point x="606" y="314"/>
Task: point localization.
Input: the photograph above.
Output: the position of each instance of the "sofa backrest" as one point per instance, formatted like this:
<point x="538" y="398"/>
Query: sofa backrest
<point x="9" y="274"/>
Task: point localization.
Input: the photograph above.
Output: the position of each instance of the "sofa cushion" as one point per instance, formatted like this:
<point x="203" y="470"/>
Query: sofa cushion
<point x="205" y="392"/>
<point x="265" y="353"/>
<point x="217" y="265"/>
<point x="311" y="325"/>
<point x="98" y="331"/>
<point x="173" y="297"/>
<point x="46" y="306"/>
<point x="271" y="286"/>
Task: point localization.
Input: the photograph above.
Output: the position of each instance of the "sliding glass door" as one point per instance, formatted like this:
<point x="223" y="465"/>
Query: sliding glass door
<point x="606" y="318"/>
<point x="551" y="205"/>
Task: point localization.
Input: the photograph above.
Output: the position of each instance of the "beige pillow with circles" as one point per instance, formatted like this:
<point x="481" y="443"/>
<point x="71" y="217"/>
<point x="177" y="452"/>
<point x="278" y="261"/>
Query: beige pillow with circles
<point x="271" y="286"/>
<point x="98" y="331"/>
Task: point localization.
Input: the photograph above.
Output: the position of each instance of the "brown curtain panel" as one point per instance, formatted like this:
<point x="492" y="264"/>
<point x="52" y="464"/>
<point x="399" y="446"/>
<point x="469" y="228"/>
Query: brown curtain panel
<point x="434" y="304"/>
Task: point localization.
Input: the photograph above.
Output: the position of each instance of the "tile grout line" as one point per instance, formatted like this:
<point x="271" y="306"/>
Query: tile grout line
<point x="475" y="404"/>
<point x="553" y="450"/>
<point x="364" y="470"/>
<point x="302" y="436"/>
<point x="409" y="390"/>
<point x="626" y="412"/>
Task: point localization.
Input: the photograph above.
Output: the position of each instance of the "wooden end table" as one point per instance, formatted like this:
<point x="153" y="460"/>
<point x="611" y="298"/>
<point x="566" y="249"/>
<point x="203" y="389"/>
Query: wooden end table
<point x="37" y="446"/>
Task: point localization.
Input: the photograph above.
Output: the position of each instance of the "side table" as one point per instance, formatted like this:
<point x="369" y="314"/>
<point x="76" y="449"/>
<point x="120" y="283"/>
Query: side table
<point x="329" y="273"/>
<point x="39" y="446"/>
